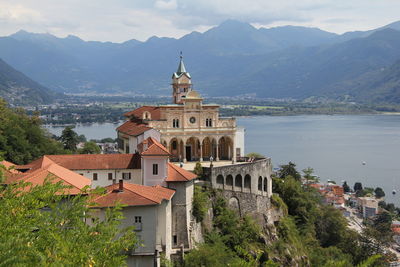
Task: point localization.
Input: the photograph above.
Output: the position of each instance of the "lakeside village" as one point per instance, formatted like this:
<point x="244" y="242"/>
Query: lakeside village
<point x="153" y="175"/>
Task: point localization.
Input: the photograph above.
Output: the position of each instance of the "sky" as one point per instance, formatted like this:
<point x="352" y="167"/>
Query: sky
<point x="122" y="20"/>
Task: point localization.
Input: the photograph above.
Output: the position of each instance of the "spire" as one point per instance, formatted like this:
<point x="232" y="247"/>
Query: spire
<point x="181" y="67"/>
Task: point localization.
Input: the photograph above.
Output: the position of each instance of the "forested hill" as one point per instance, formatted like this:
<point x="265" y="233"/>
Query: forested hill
<point x="18" y="89"/>
<point x="231" y="59"/>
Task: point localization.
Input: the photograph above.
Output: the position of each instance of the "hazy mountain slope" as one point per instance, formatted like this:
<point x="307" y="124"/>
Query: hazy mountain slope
<point x="16" y="88"/>
<point x="233" y="58"/>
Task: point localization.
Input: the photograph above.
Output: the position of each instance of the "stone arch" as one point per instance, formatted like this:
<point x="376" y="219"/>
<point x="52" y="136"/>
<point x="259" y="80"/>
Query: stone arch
<point x="207" y="148"/>
<point x="247" y="183"/>
<point x="220" y="180"/>
<point x="234" y="204"/>
<point x="260" y="183"/>
<point x="229" y="182"/>
<point x="265" y="184"/>
<point x="238" y="183"/>
<point x="192" y="149"/>
<point x="225" y="148"/>
<point x="174" y="149"/>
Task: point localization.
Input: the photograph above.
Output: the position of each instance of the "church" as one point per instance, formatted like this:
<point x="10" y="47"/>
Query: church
<point x="188" y="128"/>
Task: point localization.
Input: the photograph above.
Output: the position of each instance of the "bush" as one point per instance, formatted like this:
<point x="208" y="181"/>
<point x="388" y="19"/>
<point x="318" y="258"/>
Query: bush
<point x="200" y="203"/>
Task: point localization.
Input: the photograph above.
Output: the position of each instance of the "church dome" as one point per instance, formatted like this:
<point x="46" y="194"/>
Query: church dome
<point x="193" y="95"/>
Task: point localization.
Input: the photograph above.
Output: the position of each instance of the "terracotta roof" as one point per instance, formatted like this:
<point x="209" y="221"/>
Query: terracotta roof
<point x="133" y="128"/>
<point x="338" y="190"/>
<point x="10" y="167"/>
<point x="134" y="195"/>
<point x="89" y="161"/>
<point x="177" y="174"/>
<point x="138" y="113"/>
<point x="47" y="169"/>
<point x="154" y="148"/>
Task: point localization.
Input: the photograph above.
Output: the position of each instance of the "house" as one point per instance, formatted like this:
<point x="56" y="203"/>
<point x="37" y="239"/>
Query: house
<point x="369" y="206"/>
<point x="148" y="209"/>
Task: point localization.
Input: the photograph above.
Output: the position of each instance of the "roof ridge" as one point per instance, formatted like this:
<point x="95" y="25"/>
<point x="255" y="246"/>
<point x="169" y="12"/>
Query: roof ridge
<point x="146" y="197"/>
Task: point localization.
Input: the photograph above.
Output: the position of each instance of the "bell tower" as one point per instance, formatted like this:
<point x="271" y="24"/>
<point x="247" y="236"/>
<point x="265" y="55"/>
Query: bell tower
<point x="181" y="83"/>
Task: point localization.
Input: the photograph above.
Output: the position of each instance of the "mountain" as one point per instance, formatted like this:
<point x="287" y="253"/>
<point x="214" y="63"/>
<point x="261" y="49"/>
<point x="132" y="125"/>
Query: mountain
<point x="233" y="58"/>
<point x="16" y="88"/>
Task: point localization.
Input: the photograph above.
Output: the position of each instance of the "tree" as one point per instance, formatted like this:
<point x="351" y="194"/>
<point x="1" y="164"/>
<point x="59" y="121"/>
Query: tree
<point x="346" y="187"/>
<point x="198" y="169"/>
<point x="379" y="193"/>
<point x="40" y="226"/>
<point x="22" y="139"/>
<point x="69" y="138"/>
<point x="90" y="148"/>
<point x="358" y="186"/>
<point x="289" y="170"/>
<point x="308" y="175"/>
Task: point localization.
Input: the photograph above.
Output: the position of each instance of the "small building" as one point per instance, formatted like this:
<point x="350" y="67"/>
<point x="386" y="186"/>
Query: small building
<point x="368" y="206"/>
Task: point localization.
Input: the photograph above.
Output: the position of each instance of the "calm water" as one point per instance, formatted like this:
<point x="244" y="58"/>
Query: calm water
<point x="335" y="146"/>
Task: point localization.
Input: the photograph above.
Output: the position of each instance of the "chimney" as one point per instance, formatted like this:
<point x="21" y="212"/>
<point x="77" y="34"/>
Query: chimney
<point x="121" y="185"/>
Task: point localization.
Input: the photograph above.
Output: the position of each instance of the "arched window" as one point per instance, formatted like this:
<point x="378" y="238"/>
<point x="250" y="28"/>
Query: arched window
<point x="247" y="182"/>
<point x="238" y="181"/>
<point x="146" y="115"/>
<point x="260" y="187"/>
<point x="208" y="122"/>
<point x="175" y="123"/>
<point x="220" y="179"/>
<point x="229" y="181"/>
<point x="174" y="145"/>
<point x="265" y="184"/>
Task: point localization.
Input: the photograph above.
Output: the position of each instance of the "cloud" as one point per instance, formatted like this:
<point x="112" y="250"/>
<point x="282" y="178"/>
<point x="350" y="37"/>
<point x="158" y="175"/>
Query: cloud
<point x="120" y="20"/>
<point x="166" y="5"/>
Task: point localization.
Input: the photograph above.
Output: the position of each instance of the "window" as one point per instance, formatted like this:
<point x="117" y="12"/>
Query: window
<point x="138" y="219"/>
<point x="155" y="169"/>
<point x="175" y="237"/>
<point x="126" y="175"/>
<point x="209" y="122"/>
<point x="127" y="149"/>
<point x="192" y="120"/>
<point x="109" y="176"/>
<point x="94" y="176"/>
<point x="174" y="145"/>
<point x="175" y="123"/>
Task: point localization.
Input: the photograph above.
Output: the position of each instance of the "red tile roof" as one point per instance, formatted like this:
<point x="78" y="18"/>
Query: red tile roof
<point x="154" y="148"/>
<point x="89" y="161"/>
<point x="134" y="195"/>
<point x="138" y="113"/>
<point x="10" y="167"/>
<point x="133" y="128"/>
<point x="45" y="168"/>
<point x="177" y="174"/>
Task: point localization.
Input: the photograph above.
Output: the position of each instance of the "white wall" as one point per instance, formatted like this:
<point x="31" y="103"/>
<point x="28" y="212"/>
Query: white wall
<point x="239" y="140"/>
<point x="102" y="176"/>
<point x="147" y="170"/>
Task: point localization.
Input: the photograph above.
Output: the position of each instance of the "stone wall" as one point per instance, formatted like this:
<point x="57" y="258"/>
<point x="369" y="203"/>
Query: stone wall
<point x="247" y="186"/>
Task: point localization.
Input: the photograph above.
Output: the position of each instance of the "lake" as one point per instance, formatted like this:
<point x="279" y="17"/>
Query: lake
<point x="334" y="146"/>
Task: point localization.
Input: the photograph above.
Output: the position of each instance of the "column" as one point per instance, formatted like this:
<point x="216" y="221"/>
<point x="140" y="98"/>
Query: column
<point x="184" y="153"/>
<point x="201" y="151"/>
<point x="217" y="150"/>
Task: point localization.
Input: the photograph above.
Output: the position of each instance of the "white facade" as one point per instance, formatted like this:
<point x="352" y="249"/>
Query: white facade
<point x="132" y="142"/>
<point x="239" y="142"/>
<point x="150" y="178"/>
<point x="116" y="174"/>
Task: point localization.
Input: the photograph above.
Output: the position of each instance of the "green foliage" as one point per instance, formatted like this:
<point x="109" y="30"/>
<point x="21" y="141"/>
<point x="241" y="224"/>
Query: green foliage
<point x="90" y="148"/>
<point x="40" y="226"/>
<point x="346" y="187"/>
<point x="198" y="169"/>
<point x="254" y="155"/>
<point x="277" y="201"/>
<point x="308" y="175"/>
<point x="22" y="139"/>
<point x="289" y="170"/>
<point x="357" y="186"/>
<point x="200" y="203"/>
<point x="69" y="138"/>
<point x="379" y="193"/>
